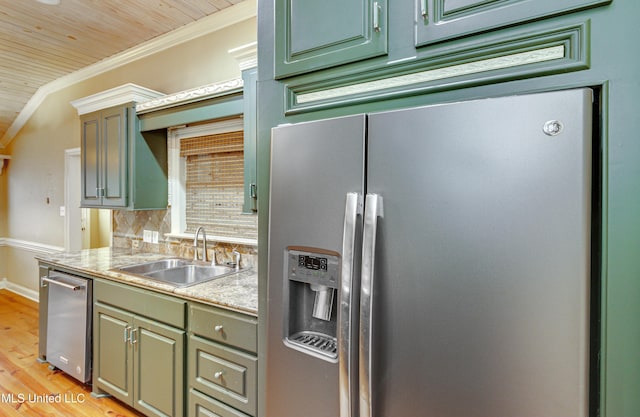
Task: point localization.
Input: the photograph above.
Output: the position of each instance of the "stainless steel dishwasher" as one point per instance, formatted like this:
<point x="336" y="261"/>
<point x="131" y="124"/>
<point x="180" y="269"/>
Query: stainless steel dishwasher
<point x="69" y="324"/>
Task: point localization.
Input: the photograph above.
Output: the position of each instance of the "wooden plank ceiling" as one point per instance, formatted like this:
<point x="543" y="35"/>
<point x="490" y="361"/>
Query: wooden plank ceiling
<point x="40" y="43"/>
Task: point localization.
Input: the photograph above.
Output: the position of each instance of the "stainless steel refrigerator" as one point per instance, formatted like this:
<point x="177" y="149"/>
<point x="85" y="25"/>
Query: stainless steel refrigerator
<point x="433" y="261"/>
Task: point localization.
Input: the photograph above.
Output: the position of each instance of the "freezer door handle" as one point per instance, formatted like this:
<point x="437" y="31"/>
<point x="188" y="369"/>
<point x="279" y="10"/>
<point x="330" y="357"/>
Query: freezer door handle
<point x="373" y="210"/>
<point x="353" y="208"/>
<point x="63" y="284"/>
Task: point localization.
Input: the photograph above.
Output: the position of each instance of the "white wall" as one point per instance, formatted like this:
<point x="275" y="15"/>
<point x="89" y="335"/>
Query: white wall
<point x="32" y="190"/>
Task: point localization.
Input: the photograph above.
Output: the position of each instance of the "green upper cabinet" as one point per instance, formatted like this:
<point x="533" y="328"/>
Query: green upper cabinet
<point x="91" y="155"/>
<point x="438" y="20"/>
<point x="316" y="35"/>
<point x="250" y="117"/>
<point x="122" y="167"/>
<point x="229" y="99"/>
<point x="312" y="35"/>
<point x="104" y="158"/>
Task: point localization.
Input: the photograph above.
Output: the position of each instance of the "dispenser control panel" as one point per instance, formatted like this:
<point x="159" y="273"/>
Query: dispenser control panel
<point x="320" y="267"/>
<point x="315" y="263"/>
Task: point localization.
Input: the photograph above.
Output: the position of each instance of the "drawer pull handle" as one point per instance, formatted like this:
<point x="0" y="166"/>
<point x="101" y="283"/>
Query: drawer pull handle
<point x="219" y="328"/>
<point x="218" y="375"/>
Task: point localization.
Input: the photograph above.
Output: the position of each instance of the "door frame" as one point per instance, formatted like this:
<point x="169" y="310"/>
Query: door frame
<point x="72" y="156"/>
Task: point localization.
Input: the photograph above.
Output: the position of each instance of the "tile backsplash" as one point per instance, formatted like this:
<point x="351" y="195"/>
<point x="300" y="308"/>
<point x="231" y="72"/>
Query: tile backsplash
<point x="128" y="229"/>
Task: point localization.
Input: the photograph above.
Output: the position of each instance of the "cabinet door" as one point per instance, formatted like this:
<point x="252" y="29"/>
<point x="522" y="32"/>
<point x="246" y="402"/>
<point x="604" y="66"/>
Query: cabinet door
<point x="438" y="20"/>
<point x="91" y="154"/>
<point x="114" y="137"/>
<point x="311" y="35"/>
<point x="249" y="102"/>
<point x="113" y="352"/>
<point x="159" y="368"/>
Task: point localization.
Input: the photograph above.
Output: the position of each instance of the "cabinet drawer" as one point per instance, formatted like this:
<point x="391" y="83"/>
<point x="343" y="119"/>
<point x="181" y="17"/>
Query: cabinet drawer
<point x="162" y="308"/>
<point x="201" y="405"/>
<point x="224" y="326"/>
<point x="223" y="373"/>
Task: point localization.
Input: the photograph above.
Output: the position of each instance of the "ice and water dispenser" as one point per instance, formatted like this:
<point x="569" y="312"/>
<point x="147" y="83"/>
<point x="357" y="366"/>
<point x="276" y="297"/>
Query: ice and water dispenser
<point x="311" y="286"/>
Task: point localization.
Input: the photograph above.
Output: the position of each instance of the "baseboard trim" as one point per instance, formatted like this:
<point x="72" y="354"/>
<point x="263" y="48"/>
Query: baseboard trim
<point x="19" y="289"/>
<point x="34" y="247"/>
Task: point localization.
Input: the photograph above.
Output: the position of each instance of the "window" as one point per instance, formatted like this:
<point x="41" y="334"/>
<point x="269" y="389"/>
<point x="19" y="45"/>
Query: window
<point x="206" y="185"/>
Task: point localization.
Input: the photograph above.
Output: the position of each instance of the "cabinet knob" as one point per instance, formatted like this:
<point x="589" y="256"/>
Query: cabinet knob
<point x="218" y="375"/>
<point x="218" y="328"/>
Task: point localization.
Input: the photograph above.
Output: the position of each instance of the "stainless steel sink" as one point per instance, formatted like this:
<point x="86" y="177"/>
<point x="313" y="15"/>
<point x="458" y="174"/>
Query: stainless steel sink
<point x="191" y="274"/>
<point x="178" y="272"/>
<point x="153" y="266"/>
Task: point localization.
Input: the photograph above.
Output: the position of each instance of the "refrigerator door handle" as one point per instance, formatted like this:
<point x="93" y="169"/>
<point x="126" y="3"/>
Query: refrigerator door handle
<point x="353" y="208"/>
<point x="373" y="210"/>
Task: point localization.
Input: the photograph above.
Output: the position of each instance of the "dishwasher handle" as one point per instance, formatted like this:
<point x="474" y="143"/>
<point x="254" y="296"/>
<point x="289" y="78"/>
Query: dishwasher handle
<point x="63" y="284"/>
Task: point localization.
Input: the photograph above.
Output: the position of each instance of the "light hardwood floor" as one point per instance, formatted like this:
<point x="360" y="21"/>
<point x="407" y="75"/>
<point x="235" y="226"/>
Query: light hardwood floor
<point x="29" y="388"/>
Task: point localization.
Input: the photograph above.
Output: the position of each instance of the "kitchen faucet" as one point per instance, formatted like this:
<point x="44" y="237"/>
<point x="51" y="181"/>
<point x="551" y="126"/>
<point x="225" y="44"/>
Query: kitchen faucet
<point x="236" y="259"/>
<point x="195" y="244"/>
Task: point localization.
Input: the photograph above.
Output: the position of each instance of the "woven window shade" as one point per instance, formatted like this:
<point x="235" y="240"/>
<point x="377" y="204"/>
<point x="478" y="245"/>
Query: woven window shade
<point x="215" y="185"/>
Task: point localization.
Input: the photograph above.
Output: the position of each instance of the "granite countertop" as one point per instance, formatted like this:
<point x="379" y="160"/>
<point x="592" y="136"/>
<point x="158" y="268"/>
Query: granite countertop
<point x="237" y="292"/>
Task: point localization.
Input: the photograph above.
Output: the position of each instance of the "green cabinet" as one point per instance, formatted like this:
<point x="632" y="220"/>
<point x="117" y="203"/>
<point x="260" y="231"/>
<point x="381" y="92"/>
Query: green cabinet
<point x="312" y="35"/>
<point x="121" y="167"/>
<point x="250" y="117"/>
<point x="438" y="20"/>
<point x="104" y="158"/>
<point x="137" y="358"/>
<point x="158" y="368"/>
<point x="222" y="363"/>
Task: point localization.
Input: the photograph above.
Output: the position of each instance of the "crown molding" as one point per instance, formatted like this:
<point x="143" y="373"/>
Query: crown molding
<point x="192" y="95"/>
<point x="226" y="17"/>
<point x="246" y="55"/>
<point x="126" y="93"/>
<point x="247" y="58"/>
